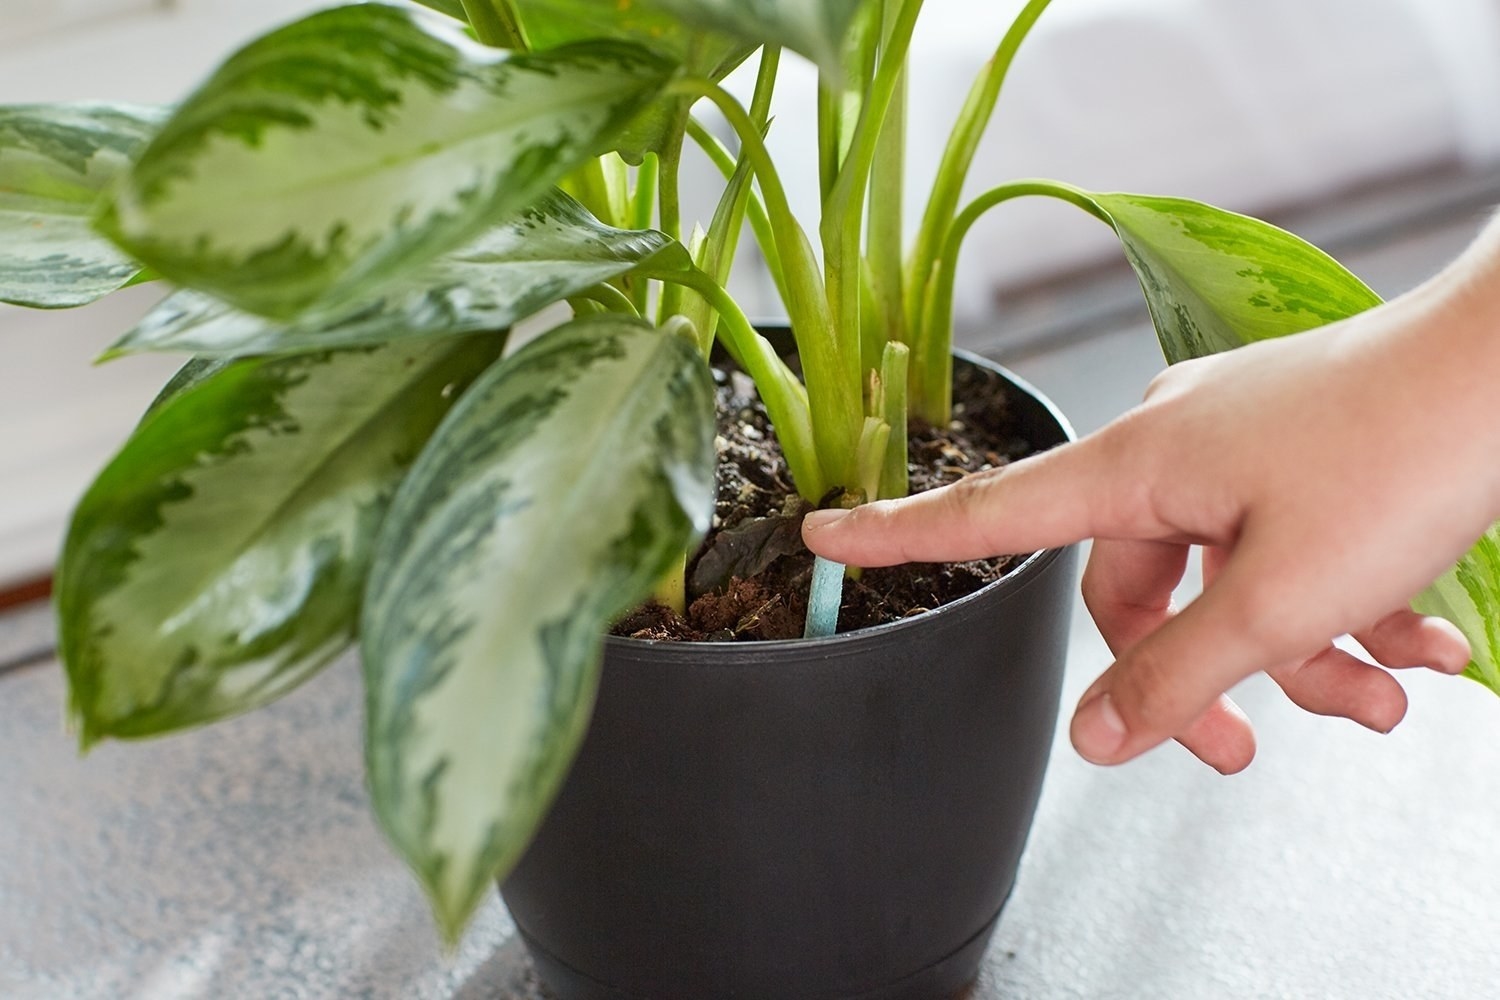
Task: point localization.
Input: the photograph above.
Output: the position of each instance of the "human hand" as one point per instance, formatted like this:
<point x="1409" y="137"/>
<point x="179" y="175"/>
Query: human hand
<point x="1330" y="477"/>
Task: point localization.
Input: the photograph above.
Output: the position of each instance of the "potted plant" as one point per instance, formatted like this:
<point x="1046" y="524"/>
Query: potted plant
<point x="352" y="213"/>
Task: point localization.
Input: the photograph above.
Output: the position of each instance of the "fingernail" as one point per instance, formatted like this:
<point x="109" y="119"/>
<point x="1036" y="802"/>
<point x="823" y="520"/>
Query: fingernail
<point x="1098" y="730"/>
<point x="823" y="518"/>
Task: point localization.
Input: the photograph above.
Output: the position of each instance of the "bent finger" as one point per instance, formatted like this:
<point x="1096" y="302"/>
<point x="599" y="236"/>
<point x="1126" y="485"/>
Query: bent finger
<point x="1338" y="685"/>
<point x="1406" y="639"/>
<point x="1161" y="685"/>
<point x="1221" y="737"/>
<point x="1128" y="586"/>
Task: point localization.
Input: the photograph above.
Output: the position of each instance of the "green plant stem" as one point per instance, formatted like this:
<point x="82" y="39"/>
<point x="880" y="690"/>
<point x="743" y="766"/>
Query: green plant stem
<point x="643" y="202"/>
<point x="886" y="212"/>
<point x="830" y="137"/>
<point x="755" y="209"/>
<point x="495" y="23"/>
<point x="722" y="241"/>
<point x="844" y="211"/>
<point x="958" y="159"/>
<point x="894" y="477"/>
<point x="785" y="398"/>
<point x="833" y="386"/>
<point x="590" y="185"/>
<point x="669" y="205"/>
<point x="874" y="442"/>
<point x="933" y="384"/>
<point x="611" y="298"/>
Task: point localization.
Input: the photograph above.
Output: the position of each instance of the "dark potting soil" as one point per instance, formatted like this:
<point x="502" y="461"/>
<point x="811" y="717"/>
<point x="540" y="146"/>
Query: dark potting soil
<point x="749" y="580"/>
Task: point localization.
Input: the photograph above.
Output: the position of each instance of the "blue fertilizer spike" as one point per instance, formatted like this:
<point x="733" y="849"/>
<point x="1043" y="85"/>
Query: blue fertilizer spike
<point x="824" y="601"/>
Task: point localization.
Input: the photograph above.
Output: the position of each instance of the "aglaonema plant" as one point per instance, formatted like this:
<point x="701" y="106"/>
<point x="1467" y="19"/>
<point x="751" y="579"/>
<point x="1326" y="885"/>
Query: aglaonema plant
<point x="351" y="214"/>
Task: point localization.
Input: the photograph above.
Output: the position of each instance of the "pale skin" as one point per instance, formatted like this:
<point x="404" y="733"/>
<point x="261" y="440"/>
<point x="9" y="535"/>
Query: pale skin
<point x="1329" y="477"/>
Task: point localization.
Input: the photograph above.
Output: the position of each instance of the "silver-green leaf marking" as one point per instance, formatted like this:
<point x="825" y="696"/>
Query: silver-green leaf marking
<point x="220" y="559"/>
<point x="356" y="144"/>
<point x="1215" y="281"/>
<point x="550" y="252"/>
<point x="550" y="501"/>
<point x="55" y="160"/>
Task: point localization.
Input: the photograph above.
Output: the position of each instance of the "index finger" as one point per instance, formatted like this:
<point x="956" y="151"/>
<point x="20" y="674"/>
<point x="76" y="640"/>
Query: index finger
<point x="1057" y="498"/>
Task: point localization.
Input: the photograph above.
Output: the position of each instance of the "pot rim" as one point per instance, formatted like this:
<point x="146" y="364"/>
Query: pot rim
<point x="1013" y="581"/>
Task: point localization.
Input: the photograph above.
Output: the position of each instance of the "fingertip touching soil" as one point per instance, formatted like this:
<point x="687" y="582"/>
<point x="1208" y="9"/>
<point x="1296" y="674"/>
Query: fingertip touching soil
<point x="749" y="580"/>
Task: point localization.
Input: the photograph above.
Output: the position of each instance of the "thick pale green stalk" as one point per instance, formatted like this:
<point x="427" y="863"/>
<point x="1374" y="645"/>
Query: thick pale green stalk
<point x="495" y="23"/>
<point x="894" y="481"/>
<point x="844" y="210"/>
<point x="958" y="157"/>
<point x="760" y="222"/>
<point x="643" y="203"/>
<point x="785" y="398"/>
<point x="611" y="298"/>
<point x="832" y="384"/>
<point x="932" y="381"/>
<point x="874" y="439"/>
<point x="669" y="207"/>
<point x="721" y="242"/>
<point x="887" y="209"/>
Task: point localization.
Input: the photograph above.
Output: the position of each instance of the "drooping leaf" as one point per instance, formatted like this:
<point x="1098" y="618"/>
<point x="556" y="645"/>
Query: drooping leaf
<point x="1215" y="281"/>
<point x="220" y="559"/>
<point x="54" y="162"/>
<point x="551" y="251"/>
<point x="550" y="501"/>
<point x="356" y="144"/>
<point x="817" y="29"/>
<point x="551" y="24"/>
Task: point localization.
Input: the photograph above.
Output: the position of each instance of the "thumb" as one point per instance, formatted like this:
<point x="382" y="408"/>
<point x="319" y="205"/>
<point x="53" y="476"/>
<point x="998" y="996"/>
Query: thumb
<point x="1169" y="679"/>
<point x="1053" y="499"/>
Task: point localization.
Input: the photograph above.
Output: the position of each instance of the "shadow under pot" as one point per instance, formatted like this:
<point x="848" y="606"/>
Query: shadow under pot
<point x="831" y="819"/>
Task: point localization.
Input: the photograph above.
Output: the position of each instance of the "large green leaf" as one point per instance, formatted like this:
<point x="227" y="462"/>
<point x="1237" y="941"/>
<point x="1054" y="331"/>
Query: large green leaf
<point x="1215" y="281"/>
<point x="220" y="559"/>
<point x="358" y="143"/>
<point x="553" y="23"/>
<point x="548" y="253"/>
<point x="54" y="162"/>
<point x="550" y="501"/>
<point x="818" y="29"/>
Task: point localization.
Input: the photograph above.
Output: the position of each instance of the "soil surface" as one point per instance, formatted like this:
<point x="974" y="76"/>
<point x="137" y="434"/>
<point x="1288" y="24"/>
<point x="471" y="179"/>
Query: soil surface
<point x="749" y="580"/>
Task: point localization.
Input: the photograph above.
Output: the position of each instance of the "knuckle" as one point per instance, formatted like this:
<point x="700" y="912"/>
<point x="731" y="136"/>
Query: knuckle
<point x="1146" y="694"/>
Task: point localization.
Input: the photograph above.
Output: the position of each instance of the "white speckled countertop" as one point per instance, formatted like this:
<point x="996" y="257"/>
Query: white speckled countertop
<point x="240" y="861"/>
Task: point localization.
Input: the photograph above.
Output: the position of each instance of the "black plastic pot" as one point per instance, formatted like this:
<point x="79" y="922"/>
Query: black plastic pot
<point x="830" y="820"/>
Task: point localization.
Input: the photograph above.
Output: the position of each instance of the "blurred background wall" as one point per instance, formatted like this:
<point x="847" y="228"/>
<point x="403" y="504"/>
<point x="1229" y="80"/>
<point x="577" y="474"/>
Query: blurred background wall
<point x="1271" y="107"/>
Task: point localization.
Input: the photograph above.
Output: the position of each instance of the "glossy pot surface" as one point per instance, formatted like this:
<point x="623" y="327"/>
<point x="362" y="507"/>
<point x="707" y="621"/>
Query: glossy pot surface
<point x="830" y="819"/>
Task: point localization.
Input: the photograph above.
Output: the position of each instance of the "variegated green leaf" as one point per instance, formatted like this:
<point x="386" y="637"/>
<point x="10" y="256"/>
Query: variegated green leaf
<point x="1215" y="281"/>
<point x="1469" y="597"/>
<point x="356" y="144"/>
<point x="548" y="253"/>
<point x="54" y="162"/>
<point x="818" y="29"/>
<point x="220" y="559"/>
<point x="551" y="500"/>
<point x="553" y="23"/>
